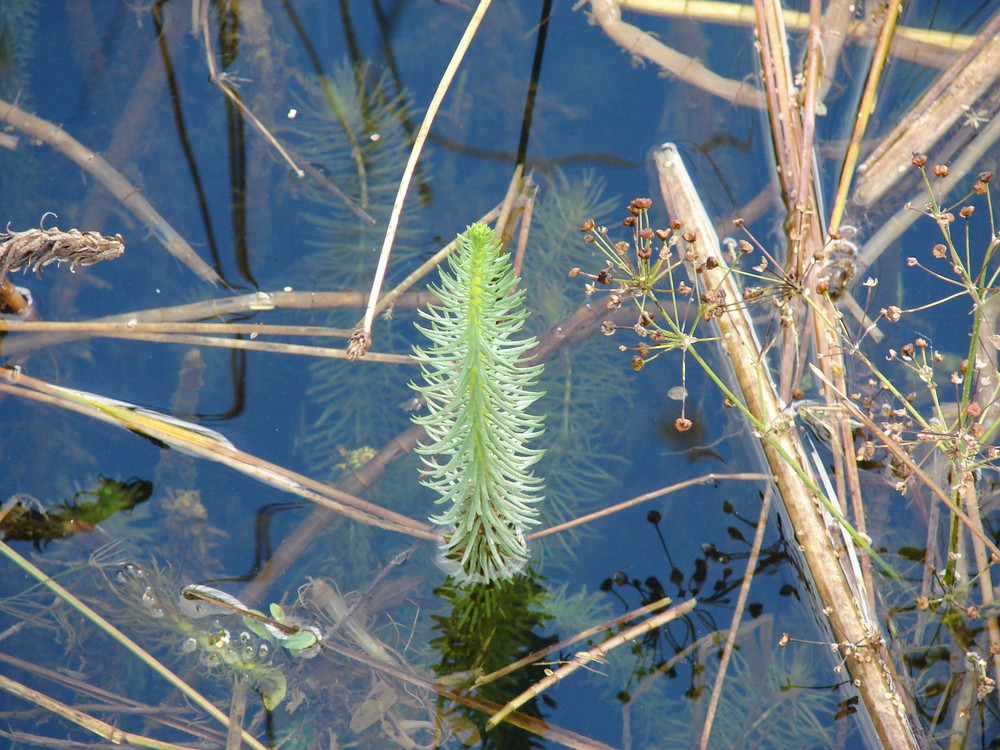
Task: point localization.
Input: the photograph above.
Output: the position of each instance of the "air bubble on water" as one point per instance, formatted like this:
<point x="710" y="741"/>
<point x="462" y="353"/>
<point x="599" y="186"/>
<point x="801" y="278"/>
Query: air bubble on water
<point x="678" y="393"/>
<point x="189" y="646"/>
<point x="148" y="597"/>
<point x="156" y="611"/>
<point x="264" y="651"/>
<point x="559" y="333"/>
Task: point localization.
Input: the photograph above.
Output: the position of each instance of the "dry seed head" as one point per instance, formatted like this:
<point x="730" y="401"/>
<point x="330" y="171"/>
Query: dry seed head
<point x="919" y="159"/>
<point x="690" y="236"/>
<point x="637" y="362"/>
<point x="587" y="226"/>
<point x="939" y="250"/>
<point x="979" y="187"/>
<point x="662" y="234"/>
<point x="745" y="247"/>
<point x="682" y="424"/>
<point x="941" y="170"/>
<point x="628" y="221"/>
<point x="985" y="176"/>
<point x="574" y="272"/>
<point x="966" y="211"/>
<point x="677" y="225"/>
<point x="892" y="313"/>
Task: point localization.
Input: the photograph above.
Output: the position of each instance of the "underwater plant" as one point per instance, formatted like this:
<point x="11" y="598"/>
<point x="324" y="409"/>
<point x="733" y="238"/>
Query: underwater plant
<point x="477" y="390"/>
<point x="24" y="524"/>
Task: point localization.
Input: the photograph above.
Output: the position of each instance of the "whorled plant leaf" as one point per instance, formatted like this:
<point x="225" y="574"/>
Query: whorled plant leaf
<point x="478" y="390"/>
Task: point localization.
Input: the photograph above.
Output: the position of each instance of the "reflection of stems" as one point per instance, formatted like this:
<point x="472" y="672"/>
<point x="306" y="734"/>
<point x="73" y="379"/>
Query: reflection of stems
<point x="219" y="80"/>
<point x="108" y="176"/>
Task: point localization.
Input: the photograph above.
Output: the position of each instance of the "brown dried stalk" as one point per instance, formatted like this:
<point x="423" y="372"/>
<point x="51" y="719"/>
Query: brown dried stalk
<point x="608" y="15"/>
<point x="596" y="654"/>
<point x="734" y="625"/>
<point x="951" y="97"/>
<point x="36" y="248"/>
<point x="854" y="624"/>
<point x="361" y="339"/>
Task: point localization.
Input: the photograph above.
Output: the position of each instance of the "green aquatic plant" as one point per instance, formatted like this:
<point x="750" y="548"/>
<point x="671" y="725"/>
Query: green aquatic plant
<point x="486" y="629"/>
<point x="21" y="523"/>
<point x="478" y="389"/>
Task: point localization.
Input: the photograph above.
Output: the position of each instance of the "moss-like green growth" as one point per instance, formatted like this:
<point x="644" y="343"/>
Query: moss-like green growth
<point x="478" y="391"/>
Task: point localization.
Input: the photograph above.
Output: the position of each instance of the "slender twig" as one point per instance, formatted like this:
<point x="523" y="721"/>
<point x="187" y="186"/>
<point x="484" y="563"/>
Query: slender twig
<point x="865" y="107"/>
<point x="734" y="625"/>
<point x="172" y="432"/>
<point x="88" y="722"/>
<point x="593" y="630"/>
<point x="704" y="479"/>
<point x="361" y="339"/>
<point x="219" y="80"/>
<point x="596" y="654"/>
<point x="608" y="14"/>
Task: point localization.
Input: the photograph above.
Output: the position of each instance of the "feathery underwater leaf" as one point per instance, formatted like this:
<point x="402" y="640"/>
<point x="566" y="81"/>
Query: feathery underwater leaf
<point x="477" y="390"/>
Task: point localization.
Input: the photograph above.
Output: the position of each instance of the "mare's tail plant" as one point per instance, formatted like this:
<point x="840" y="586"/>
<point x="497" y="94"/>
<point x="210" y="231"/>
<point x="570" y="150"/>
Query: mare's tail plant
<point x="478" y="391"/>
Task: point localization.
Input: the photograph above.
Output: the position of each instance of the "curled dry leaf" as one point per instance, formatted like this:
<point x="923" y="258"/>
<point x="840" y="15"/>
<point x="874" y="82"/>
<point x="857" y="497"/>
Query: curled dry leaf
<point x="35" y="248"/>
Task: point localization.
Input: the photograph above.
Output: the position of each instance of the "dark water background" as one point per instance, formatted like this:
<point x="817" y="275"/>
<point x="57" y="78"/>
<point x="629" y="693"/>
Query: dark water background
<point x="598" y="116"/>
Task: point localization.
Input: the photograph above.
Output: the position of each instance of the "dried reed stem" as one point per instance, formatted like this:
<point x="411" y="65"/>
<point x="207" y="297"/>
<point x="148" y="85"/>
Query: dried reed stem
<point x="865" y="107"/>
<point x="596" y="654"/>
<point x="169" y="432"/>
<point x="855" y="627"/>
<point x="361" y="339"/>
